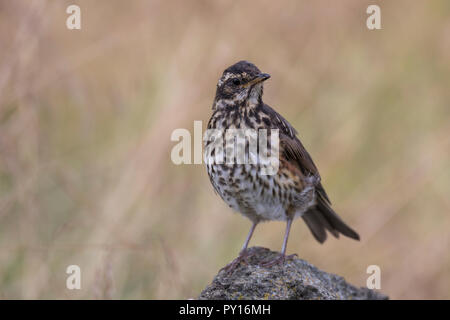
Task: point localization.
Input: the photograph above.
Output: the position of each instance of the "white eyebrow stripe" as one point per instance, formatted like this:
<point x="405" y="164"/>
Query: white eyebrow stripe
<point x="224" y="78"/>
<point x="229" y="75"/>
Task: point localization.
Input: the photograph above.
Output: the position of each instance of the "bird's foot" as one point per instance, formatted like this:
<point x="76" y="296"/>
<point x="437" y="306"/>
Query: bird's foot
<point x="280" y="260"/>
<point x="243" y="256"/>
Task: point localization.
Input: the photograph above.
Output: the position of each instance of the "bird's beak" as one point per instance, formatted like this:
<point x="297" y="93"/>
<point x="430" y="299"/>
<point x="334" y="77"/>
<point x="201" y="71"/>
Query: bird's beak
<point x="259" y="78"/>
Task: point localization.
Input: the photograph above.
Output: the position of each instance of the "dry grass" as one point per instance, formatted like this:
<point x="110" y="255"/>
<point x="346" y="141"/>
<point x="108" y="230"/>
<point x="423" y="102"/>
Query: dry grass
<point x="86" y="118"/>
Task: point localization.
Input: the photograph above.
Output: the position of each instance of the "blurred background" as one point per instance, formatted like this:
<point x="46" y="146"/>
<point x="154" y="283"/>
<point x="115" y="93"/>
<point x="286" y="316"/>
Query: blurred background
<point x="86" y="117"/>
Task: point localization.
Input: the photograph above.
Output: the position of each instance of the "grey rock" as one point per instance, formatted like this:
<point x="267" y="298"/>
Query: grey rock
<point x="295" y="280"/>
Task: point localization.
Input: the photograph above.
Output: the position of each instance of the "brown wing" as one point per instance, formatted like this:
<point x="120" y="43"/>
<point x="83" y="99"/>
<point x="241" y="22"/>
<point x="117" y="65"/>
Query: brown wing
<point x="293" y="149"/>
<point x="321" y="217"/>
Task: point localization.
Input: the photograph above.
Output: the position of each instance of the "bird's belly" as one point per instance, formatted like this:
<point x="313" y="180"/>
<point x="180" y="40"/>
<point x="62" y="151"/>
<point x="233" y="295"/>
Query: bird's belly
<point x="255" y="196"/>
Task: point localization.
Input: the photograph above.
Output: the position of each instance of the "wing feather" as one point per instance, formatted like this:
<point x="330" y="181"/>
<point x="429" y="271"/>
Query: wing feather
<point x="293" y="150"/>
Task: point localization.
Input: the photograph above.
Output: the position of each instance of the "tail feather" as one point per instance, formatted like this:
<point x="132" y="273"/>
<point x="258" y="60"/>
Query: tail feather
<point x="315" y="226"/>
<point x="322" y="218"/>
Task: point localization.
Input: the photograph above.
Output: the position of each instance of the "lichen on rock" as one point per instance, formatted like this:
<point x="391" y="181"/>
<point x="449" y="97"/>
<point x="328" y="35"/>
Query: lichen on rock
<point x="296" y="279"/>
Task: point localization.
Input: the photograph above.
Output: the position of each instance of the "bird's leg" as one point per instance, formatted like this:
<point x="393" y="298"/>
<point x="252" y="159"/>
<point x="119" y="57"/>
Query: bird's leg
<point x="243" y="254"/>
<point x="281" y="258"/>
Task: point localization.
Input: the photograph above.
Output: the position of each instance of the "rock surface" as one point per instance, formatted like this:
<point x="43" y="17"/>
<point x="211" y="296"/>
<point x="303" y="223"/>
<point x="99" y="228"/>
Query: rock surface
<point x="295" y="280"/>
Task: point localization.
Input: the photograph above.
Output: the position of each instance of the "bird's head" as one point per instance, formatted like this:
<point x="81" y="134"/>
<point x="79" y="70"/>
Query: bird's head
<point x="241" y="84"/>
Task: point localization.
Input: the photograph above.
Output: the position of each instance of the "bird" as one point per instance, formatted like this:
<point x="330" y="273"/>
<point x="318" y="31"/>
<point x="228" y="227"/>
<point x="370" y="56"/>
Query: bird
<point x="294" y="191"/>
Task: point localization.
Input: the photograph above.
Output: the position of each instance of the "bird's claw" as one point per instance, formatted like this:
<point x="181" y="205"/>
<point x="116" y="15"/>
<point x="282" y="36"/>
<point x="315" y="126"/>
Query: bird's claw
<point x="280" y="260"/>
<point x="243" y="256"/>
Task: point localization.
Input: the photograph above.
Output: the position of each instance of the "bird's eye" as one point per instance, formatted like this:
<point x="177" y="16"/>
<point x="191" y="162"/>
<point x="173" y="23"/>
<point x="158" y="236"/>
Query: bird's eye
<point x="236" y="82"/>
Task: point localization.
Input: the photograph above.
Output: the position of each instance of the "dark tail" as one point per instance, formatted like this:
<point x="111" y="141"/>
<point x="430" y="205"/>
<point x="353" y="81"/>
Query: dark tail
<point x="322" y="218"/>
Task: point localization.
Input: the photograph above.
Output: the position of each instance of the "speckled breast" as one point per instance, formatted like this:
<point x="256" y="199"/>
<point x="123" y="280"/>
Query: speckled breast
<point x="242" y="187"/>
